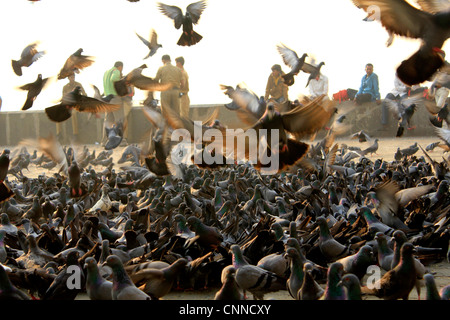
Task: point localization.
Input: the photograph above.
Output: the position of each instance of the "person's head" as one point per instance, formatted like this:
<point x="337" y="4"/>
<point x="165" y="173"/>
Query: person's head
<point x="180" y="61"/>
<point x="119" y="65"/>
<point x="276" y="70"/>
<point x="165" y="58"/>
<point x="369" y="68"/>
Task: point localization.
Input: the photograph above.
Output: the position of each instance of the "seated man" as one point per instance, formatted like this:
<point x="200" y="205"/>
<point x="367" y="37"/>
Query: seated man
<point x="368" y="90"/>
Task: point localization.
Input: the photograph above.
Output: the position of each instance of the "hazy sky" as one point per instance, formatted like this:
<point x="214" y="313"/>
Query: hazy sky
<point x="238" y="45"/>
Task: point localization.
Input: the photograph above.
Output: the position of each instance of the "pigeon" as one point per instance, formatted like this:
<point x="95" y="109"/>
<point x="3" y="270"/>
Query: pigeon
<point x="123" y="288"/>
<point x="75" y="180"/>
<point x="5" y="191"/>
<point x="75" y="100"/>
<point x="230" y="289"/>
<point x="33" y="88"/>
<point x="76" y="62"/>
<point x="371" y="149"/>
<point x="334" y="291"/>
<point x="352" y="285"/>
<point x="97" y="288"/>
<point x="361" y="136"/>
<point x="313" y="70"/>
<point x="138" y="80"/>
<point x="29" y="55"/>
<point x="291" y="59"/>
<point x="192" y="16"/>
<point x="330" y="248"/>
<point x="114" y="134"/>
<point x="401" y="18"/>
<point x="358" y="263"/>
<point x="152" y="45"/>
<point x="403" y="112"/>
<point x="206" y="236"/>
<point x="7" y="290"/>
<point x="295" y="280"/>
<point x="158" y="282"/>
<point x="310" y="289"/>
<point x="254" y="279"/>
<point x="398" y="282"/>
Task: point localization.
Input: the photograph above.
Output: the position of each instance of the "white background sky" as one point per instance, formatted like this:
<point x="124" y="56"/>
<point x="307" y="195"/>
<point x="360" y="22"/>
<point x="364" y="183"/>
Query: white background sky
<point x="238" y="45"/>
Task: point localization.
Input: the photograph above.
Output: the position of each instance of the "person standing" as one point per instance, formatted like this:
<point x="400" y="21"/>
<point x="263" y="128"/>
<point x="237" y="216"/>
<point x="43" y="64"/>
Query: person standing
<point x="276" y="89"/>
<point x="109" y="77"/>
<point x="69" y="87"/>
<point x="184" y="89"/>
<point x="170" y="74"/>
<point x="369" y="88"/>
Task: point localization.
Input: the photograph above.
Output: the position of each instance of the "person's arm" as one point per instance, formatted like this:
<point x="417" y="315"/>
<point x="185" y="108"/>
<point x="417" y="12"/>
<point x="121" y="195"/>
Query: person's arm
<point x="266" y="96"/>
<point x="376" y="89"/>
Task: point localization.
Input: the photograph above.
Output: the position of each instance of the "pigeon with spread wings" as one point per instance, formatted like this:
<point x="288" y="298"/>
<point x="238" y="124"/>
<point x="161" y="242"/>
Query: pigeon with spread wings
<point x="75" y="100"/>
<point x="192" y="16"/>
<point x="401" y="18"/>
<point x="29" y="55"/>
<point x="137" y="79"/>
<point x="404" y="110"/>
<point x="76" y="62"/>
<point x="291" y="59"/>
<point x="33" y="88"/>
<point x="152" y="45"/>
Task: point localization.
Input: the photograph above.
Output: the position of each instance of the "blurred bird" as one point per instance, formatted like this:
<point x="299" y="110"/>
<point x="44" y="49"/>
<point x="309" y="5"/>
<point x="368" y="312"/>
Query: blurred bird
<point x="29" y="55"/>
<point x="75" y="100"/>
<point x="193" y="12"/>
<point x="76" y="62"/>
<point x="153" y="44"/>
<point x="5" y="191"/>
<point x="137" y="79"/>
<point x="33" y="88"/>
<point x="291" y="59"/>
<point x="361" y="136"/>
<point x="313" y="70"/>
<point x="401" y="18"/>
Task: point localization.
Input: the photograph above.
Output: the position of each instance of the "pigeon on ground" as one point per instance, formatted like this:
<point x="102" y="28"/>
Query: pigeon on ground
<point x="97" y="288"/>
<point x="123" y="287"/>
<point x="230" y="289"/>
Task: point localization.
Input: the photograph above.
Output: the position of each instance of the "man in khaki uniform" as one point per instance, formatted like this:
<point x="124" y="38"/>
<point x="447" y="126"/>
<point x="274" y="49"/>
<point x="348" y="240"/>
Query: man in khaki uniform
<point x="184" y="89"/>
<point x="168" y="73"/>
<point x="275" y="88"/>
<point x="66" y="89"/>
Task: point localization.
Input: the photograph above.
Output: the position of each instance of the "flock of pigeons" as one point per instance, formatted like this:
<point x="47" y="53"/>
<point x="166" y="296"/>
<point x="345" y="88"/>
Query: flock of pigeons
<point x="313" y="228"/>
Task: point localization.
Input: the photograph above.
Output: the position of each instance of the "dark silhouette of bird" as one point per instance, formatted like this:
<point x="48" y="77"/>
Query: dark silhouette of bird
<point x="75" y="180"/>
<point x="5" y="191"/>
<point x="29" y="55"/>
<point x="114" y="133"/>
<point x="403" y="110"/>
<point x="76" y="62"/>
<point x="34" y="89"/>
<point x="75" y="100"/>
<point x="152" y="45"/>
<point x="291" y="59"/>
<point x="361" y="135"/>
<point x="433" y="28"/>
<point x="313" y="70"/>
<point x="137" y="79"/>
<point x="193" y="12"/>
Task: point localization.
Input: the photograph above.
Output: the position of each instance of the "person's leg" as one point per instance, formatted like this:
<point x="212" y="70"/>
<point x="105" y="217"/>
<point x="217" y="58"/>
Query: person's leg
<point x="75" y="125"/>
<point x="362" y="98"/>
<point x="185" y="102"/>
<point x="127" y="105"/>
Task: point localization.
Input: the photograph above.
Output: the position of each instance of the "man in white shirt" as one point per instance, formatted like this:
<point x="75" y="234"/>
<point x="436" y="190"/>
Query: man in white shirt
<point x="318" y="86"/>
<point x="440" y="87"/>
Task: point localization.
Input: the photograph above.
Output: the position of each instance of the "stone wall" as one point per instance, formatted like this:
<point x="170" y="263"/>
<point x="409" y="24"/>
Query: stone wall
<point x="18" y="125"/>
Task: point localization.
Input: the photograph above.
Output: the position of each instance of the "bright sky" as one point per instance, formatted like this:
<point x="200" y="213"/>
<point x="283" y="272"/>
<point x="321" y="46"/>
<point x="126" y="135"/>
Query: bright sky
<point x="238" y="45"/>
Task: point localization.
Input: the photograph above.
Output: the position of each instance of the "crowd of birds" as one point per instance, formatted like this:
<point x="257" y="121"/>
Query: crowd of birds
<point x="315" y="227"/>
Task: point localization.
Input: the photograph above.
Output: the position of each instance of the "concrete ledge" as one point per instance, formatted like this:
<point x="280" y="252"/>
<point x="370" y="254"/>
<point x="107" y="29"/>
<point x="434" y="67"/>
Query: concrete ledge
<point x="18" y="125"/>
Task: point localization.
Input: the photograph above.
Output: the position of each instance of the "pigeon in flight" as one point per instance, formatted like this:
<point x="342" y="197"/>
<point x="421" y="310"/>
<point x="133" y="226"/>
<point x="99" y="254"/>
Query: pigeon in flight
<point x="193" y="12"/>
<point x="153" y="44"/>
<point x="29" y="55"/>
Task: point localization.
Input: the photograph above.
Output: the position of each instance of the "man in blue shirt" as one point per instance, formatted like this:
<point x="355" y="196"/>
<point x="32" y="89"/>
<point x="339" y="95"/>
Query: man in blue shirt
<point x="368" y="91"/>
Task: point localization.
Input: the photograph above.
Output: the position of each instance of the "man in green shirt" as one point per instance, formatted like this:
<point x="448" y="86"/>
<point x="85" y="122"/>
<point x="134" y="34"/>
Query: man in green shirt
<point x="109" y="77"/>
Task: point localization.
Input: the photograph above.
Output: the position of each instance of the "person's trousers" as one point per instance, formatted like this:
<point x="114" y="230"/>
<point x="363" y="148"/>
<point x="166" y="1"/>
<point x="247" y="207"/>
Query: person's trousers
<point x="184" y="105"/>
<point x="74" y="118"/>
<point x="120" y="114"/>
<point x="171" y="99"/>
